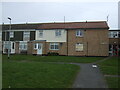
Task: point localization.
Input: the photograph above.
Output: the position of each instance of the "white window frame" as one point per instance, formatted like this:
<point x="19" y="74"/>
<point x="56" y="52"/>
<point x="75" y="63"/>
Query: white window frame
<point x="113" y="34"/>
<point x="58" y="33"/>
<point x="11" y="33"/>
<point x="79" y="33"/>
<point x="54" y="46"/>
<point x="40" y="33"/>
<point x="23" y="45"/>
<point x="26" y="34"/>
<point x="79" y="47"/>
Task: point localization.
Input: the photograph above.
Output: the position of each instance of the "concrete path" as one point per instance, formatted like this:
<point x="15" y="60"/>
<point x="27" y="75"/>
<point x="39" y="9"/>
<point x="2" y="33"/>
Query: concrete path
<point x="89" y="77"/>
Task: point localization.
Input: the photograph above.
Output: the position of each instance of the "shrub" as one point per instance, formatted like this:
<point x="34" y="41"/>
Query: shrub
<point x="52" y="54"/>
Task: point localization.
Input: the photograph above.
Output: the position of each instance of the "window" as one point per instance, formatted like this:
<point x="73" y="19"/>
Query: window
<point x="6" y="45"/>
<point x="35" y="46"/>
<point x="26" y="34"/>
<point x="113" y="34"/>
<point x="57" y="33"/>
<point x="79" y="33"/>
<point x="41" y="33"/>
<point x="54" y="46"/>
<point x="118" y="34"/>
<point x="23" y="45"/>
<point x="79" y="47"/>
<point x="11" y="34"/>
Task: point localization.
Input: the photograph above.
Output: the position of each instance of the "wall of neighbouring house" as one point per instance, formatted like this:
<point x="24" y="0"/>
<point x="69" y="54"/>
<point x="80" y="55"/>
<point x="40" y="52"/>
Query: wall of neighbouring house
<point x="95" y="43"/>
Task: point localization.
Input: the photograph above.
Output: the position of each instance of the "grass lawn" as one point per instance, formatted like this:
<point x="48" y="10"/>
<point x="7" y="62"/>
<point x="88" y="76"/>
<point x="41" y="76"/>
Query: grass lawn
<point x="38" y="75"/>
<point x="110" y="67"/>
<point x="54" y="58"/>
<point x="112" y="82"/>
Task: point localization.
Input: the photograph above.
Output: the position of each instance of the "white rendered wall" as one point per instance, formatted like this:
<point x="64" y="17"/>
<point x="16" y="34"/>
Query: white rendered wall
<point x="49" y="36"/>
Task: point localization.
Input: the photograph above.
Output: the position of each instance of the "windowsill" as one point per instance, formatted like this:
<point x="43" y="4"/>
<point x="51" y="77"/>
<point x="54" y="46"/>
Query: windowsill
<point x="41" y="37"/>
<point x="57" y="36"/>
<point x="79" y="36"/>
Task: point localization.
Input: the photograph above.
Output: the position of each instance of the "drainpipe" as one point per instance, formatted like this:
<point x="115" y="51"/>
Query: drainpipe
<point x="67" y="42"/>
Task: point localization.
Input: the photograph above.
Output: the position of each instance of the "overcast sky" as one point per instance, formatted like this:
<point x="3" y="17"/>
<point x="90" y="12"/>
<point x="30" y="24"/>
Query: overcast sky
<point x="38" y="12"/>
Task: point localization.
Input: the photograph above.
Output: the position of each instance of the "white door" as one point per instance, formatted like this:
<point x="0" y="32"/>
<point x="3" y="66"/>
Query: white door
<point x="39" y="48"/>
<point x="12" y="47"/>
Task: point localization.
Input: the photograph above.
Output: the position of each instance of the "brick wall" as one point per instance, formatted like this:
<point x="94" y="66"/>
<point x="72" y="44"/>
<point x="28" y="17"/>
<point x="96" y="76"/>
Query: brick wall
<point x="95" y="43"/>
<point x="62" y="48"/>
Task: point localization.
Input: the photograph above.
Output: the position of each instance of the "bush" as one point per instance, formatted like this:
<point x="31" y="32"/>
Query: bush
<point x="52" y="54"/>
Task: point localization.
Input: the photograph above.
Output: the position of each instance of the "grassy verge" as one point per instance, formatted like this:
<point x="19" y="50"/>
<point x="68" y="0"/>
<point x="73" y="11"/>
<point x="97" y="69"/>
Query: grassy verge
<point x="53" y="58"/>
<point x="112" y="82"/>
<point x="38" y="75"/>
<point x="110" y="67"/>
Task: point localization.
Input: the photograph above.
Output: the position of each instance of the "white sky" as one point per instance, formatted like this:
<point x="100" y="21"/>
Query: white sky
<point x="52" y="11"/>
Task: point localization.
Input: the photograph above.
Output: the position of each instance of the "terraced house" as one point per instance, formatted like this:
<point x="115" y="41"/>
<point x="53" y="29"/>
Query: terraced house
<point x="70" y="38"/>
<point x="114" y="42"/>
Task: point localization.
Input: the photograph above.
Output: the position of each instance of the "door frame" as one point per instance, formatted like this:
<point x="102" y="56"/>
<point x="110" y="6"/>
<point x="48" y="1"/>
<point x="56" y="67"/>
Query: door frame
<point x="39" y="48"/>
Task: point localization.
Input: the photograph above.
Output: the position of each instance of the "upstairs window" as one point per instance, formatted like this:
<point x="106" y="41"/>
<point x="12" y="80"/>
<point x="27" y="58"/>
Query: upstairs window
<point x="54" y="46"/>
<point x="118" y="34"/>
<point x="26" y="34"/>
<point x="79" y="47"/>
<point x="11" y="34"/>
<point x="41" y="33"/>
<point x="57" y="33"/>
<point x="79" y="33"/>
<point x="113" y="34"/>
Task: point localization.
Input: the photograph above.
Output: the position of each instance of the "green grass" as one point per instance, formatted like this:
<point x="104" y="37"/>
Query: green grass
<point x="53" y="58"/>
<point x="38" y="75"/>
<point x="112" y="82"/>
<point x="110" y="66"/>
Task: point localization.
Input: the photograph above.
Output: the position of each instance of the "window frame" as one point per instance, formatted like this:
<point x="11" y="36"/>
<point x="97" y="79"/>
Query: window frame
<point x="58" y="33"/>
<point x="54" y="46"/>
<point x="41" y="32"/>
<point x="113" y="34"/>
<point x="23" y="46"/>
<point x="26" y="34"/>
<point x="79" y="33"/>
<point x="11" y="34"/>
<point x="78" y="47"/>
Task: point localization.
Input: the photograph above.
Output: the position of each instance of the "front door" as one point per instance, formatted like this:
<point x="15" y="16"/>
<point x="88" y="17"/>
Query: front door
<point x="39" y="48"/>
<point x="12" y="47"/>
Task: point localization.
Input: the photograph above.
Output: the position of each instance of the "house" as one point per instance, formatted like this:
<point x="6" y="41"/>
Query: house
<point x="114" y="42"/>
<point x="70" y="38"/>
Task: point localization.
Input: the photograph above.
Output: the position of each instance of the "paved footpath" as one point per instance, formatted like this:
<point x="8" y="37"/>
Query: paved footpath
<point x="89" y="77"/>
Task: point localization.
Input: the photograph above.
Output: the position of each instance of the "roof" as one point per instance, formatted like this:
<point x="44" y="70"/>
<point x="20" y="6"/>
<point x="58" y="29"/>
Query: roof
<point x="66" y="25"/>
